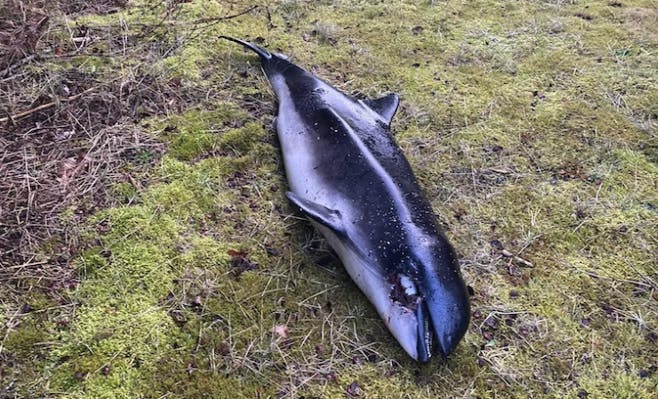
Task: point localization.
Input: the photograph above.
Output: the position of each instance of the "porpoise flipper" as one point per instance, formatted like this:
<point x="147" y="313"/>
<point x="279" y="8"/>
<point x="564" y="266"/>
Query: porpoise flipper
<point x="329" y="218"/>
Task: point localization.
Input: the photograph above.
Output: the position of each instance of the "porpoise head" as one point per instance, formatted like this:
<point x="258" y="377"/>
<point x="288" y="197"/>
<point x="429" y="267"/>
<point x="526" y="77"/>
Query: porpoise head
<point x="444" y="309"/>
<point x="424" y="301"/>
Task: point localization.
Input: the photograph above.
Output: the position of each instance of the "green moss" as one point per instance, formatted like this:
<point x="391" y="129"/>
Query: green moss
<point x="197" y="133"/>
<point x="125" y="192"/>
<point x="31" y="334"/>
<point x="242" y="140"/>
<point x="185" y="64"/>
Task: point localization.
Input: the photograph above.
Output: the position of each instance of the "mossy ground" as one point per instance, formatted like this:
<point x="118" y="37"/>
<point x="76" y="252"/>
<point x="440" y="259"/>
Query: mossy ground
<point x="532" y="128"/>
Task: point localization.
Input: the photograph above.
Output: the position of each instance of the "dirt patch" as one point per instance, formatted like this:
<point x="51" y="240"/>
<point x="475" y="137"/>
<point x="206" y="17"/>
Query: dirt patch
<point x="91" y="7"/>
<point x="21" y="27"/>
<point x="641" y="21"/>
<point x="24" y="25"/>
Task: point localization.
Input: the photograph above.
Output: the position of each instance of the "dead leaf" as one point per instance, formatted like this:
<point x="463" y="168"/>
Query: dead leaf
<point x="281" y="330"/>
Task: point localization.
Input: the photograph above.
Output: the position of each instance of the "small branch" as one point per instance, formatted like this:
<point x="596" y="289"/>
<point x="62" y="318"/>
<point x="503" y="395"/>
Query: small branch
<point x="217" y="19"/>
<point x="208" y="20"/>
<point x="46" y="106"/>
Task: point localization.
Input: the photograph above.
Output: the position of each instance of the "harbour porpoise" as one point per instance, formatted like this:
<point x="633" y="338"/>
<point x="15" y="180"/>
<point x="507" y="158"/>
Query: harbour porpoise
<point x="348" y="176"/>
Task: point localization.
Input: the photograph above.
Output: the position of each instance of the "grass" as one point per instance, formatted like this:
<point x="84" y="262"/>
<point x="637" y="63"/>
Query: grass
<point x="530" y="125"/>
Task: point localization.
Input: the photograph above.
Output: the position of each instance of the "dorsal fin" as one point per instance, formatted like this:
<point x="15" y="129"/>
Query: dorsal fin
<point x="384" y="106"/>
<point x="327" y="217"/>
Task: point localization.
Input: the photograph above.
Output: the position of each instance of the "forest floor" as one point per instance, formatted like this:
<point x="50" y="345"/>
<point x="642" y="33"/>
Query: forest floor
<point x="147" y="249"/>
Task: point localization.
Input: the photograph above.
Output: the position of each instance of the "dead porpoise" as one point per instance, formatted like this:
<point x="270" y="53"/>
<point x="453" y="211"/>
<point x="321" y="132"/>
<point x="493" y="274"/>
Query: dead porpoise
<point x="349" y="177"/>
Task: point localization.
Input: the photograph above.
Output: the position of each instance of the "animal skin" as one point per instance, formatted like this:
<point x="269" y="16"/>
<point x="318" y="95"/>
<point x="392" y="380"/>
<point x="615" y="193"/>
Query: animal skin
<point x="350" y="179"/>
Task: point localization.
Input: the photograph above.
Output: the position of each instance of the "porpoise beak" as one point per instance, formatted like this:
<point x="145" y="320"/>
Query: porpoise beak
<point x="430" y="321"/>
<point x="441" y="337"/>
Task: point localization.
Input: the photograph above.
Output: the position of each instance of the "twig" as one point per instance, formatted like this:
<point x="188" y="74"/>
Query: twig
<point x="207" y="20"/>
<point x="46" y="106"/>
<point x="217" y="19"/>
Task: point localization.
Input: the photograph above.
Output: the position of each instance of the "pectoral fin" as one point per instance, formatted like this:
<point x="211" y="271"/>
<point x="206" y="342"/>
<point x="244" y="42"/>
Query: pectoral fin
<point x="385" y="106"/>
<point x="319" y="213"/>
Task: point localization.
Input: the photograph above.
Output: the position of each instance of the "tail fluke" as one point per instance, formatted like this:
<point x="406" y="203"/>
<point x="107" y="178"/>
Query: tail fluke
<point x="262" y="53"/>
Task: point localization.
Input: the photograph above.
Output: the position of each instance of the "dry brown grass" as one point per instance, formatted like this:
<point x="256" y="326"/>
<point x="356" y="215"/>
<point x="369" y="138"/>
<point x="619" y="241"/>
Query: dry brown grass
<point x="68" y="135"/>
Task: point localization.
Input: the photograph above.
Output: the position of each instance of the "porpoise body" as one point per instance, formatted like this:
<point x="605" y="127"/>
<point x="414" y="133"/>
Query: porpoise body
<point x="348" y="176"/>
